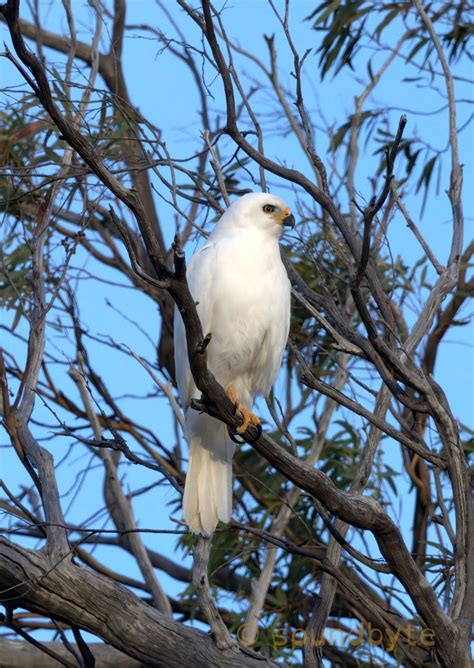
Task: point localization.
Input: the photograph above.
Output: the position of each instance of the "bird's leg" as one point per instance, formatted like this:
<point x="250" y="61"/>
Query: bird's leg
<point x="248" y="416"/>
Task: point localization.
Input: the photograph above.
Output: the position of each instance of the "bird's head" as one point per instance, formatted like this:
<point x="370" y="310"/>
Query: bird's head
<point x="260" y="211"/>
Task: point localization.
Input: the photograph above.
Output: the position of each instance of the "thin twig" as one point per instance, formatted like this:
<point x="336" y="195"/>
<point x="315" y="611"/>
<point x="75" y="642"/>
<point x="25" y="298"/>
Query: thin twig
<point x="201" y="554"/>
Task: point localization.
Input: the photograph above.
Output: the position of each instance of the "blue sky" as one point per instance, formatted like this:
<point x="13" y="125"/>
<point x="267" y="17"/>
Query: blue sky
<point x="165" y="94"/>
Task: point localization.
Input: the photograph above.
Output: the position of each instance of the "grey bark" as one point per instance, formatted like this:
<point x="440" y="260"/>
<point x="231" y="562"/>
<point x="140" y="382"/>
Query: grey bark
<point x="20" y="654"/>
<point x="93" y="602"/>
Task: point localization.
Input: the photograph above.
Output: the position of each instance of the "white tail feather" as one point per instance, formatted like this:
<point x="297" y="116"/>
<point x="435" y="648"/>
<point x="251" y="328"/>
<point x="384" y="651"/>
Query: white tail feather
<point x="208" y="489"/>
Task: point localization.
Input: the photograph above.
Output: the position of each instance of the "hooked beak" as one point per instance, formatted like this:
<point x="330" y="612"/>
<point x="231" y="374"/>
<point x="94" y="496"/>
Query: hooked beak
<point x="289" y="221"/>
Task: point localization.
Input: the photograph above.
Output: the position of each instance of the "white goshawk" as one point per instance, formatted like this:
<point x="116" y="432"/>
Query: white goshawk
<point x="242" y="293"/>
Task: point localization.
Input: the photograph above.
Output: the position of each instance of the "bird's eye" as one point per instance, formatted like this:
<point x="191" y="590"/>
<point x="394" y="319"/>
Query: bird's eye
<point x="269" y="208"/>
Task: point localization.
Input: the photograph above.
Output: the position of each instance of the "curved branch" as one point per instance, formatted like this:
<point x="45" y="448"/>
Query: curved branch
<point x="96" y="604"/>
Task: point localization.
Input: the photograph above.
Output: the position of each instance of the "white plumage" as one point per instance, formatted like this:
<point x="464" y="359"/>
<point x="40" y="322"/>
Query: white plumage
<point x="243" y="298"/>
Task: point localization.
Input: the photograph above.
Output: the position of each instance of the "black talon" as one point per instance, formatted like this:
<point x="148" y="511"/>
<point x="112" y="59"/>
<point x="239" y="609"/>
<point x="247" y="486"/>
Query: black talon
<point x="239" y="440"/>
<point x="234" y="437"/>
<point x="259" y="429"/>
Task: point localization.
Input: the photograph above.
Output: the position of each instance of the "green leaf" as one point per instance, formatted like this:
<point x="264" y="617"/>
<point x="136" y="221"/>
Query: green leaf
<point x="425" y="179"/>
<point x="386" y="21"/>
<point x="419" y="45"/>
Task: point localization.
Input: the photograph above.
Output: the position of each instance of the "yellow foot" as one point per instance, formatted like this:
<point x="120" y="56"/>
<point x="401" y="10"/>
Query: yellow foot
<point x="248" y="416"/>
